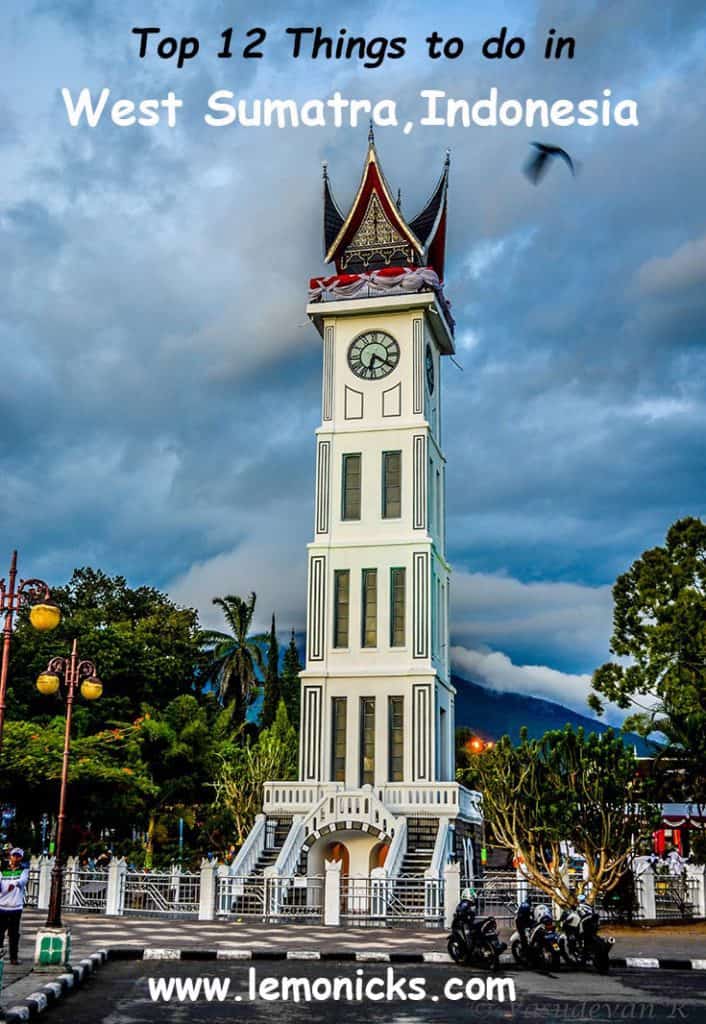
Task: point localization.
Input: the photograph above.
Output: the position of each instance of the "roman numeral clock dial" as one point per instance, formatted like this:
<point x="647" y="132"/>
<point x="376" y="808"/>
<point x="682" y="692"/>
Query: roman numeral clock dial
<point x="373" y="355"/>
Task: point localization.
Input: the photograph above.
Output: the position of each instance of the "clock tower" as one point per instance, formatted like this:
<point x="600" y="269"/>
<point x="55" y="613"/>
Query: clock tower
<point x="376" y="768"/>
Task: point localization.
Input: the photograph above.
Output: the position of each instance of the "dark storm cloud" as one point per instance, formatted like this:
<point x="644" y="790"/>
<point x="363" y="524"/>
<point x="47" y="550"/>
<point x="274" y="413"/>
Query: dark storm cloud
<point x="159" y="393"/>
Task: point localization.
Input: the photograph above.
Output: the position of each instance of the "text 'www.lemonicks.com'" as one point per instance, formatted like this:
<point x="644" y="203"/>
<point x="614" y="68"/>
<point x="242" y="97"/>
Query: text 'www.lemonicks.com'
<point x="386" y="988"/>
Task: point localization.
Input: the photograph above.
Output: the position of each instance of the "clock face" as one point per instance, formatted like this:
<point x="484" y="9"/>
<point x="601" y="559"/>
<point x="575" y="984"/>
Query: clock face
<point x="429" y="366"/>
<point x="373" y="355"/>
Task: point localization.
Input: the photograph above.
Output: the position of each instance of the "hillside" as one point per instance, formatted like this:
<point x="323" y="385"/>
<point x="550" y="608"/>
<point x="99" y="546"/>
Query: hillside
<point x="492" y="714"/>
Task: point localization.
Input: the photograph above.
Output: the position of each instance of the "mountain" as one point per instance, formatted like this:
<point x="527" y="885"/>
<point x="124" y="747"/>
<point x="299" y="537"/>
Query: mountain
<point x="492" y="714"/>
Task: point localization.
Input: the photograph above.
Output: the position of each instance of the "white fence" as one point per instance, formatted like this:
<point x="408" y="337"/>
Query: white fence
<point x="170" y="893"/>
<point x="404" y="900"/>
<point x="272" y="898"/>
<point x="84" y="890"/>
<point x="414" y="900"/>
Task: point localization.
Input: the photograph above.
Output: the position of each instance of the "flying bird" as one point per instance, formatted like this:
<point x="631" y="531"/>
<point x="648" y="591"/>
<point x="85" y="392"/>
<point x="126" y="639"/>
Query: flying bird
<point x="538" y="164"/>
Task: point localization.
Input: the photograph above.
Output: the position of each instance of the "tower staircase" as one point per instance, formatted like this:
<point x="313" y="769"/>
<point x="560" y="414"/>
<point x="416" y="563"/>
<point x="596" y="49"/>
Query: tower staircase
<point x="412" y="892"/>
<point x="276" y="831"/>
<point x="421" y="839"/>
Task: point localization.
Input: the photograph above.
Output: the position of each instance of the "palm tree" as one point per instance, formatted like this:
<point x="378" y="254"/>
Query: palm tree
<point x="234" y="656"/>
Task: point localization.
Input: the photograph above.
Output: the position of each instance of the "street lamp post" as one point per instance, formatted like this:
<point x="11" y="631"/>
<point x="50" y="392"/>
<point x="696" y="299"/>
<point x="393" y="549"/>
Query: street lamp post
<point x="53" y="947"/>
<point x="44" y="616"/>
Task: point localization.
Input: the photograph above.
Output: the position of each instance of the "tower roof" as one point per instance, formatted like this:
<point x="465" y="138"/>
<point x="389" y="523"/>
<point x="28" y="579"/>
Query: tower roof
<point x="375" y="234"/>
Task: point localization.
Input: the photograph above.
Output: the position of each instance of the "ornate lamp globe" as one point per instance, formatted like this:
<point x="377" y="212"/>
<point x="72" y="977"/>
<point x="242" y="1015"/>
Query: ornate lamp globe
<point x="91" y="688"/>
<point x="45" y="616"/>
<point x="48" y="683"/>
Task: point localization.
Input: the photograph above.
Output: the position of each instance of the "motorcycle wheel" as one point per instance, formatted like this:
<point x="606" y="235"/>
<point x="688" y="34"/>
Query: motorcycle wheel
<point x="572" y="961"/>
<point x="548" y="959"/>
<point x="457" y="950"/>
<point x="487" y="956"/>
<point x="517" y="953"/>
<point x="601" y="958"/>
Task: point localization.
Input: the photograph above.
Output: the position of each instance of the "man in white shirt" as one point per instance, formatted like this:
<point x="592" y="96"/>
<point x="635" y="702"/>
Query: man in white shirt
<point x="13" y="883"/>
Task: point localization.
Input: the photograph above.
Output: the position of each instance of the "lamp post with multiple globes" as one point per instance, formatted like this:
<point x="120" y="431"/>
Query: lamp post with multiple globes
<point x="44" y="615"/>
<point x="64" y="674"/>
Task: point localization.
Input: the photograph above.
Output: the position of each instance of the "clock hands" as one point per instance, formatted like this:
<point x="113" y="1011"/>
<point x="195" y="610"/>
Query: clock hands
<point x="373" y="355"/>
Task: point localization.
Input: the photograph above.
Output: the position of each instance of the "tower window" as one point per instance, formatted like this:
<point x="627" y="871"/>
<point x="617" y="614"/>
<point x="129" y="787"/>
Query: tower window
<point x="341" y="587"/>
<point x="350" y="487"/>
<point x="367" y="741"/>
<point x="391" y="485"/>
<point x="369" y="636"/>
<point x="338" y="739"/>
<point x="395" y="738"/>
<point x="397" y="607"/>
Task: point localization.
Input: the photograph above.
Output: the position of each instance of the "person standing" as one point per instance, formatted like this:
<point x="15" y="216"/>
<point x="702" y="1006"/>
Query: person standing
<point x="13" y="883"/>
<point x="675" y="863"/>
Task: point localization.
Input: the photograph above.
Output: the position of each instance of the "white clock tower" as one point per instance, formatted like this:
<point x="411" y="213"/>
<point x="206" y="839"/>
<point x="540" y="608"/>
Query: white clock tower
<point x="376" y="773"/>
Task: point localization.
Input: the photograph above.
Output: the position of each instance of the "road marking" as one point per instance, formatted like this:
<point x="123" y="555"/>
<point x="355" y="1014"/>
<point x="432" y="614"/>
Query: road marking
<point x="373" y="957"/>
<point x="641" y="961"/>
<point x="437" y="958"/>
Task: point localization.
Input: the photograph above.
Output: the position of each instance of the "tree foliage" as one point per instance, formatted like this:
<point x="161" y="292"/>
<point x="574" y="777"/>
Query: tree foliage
<point x="104" y="782"/>
<point x="146" y="649"/>
<point x="291" y="687"/>
<point x="272" y="680"/>
<point x="245" y="769"/>
<point x="148" y="753"/>
<point x="659" y="633"/>
<point x="235" y="656"/>
<point x="565" y="787"/>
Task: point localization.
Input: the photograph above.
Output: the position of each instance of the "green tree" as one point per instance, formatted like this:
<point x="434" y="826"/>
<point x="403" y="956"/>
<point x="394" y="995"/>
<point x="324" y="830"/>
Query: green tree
<point x="176" y="748"/>
<point x="291" y="688"/>
<point x="105" y="784"/>
<point x="234" y="656"/>
<point x="245" y="769"/>
<point x="146" y="649"/>
<point x="272" y="680"/>
<point x="564" y="788"/>
<point x="659" y="633"/>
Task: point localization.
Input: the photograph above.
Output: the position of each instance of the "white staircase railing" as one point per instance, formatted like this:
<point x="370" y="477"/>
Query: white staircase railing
<point x="441" y="850"/>
<point x="433" y="876"/>
<point x="398" y="849"/>
<point x="251" y="850"/>
<point x="349" y="806"/>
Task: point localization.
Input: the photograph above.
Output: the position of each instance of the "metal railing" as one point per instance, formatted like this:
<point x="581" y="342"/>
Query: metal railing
<point x="403" y="900"/>
<point x="171" y="893"/>
<point x="500" y="893"/>
<point x="675" y="896"/>
<point x="275" y="898"/>
<point x="84" y="890"/>
<point x="32" y="890"/>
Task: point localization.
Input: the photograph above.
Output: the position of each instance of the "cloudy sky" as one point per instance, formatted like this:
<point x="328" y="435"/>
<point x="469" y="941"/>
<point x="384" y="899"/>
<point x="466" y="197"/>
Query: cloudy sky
<point x="159" y="388"/>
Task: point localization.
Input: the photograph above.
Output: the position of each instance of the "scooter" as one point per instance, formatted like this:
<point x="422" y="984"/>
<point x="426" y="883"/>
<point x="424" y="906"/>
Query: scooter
<point x="579" y="941"/>
<point x="535" y="943"/>
<point x="474" y="940"/>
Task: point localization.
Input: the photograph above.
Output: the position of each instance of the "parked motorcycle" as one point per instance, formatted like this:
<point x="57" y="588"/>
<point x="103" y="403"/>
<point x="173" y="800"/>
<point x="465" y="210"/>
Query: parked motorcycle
<point x="474" y="940"/>
<point x="535" y="943"/>
<point x="579" y="941"/>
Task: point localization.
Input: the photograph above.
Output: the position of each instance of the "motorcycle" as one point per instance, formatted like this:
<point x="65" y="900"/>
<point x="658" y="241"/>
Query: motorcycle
<point x="474" y="940"/>
<point x="535" y="943"/>
<point x="579" y="941"/>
